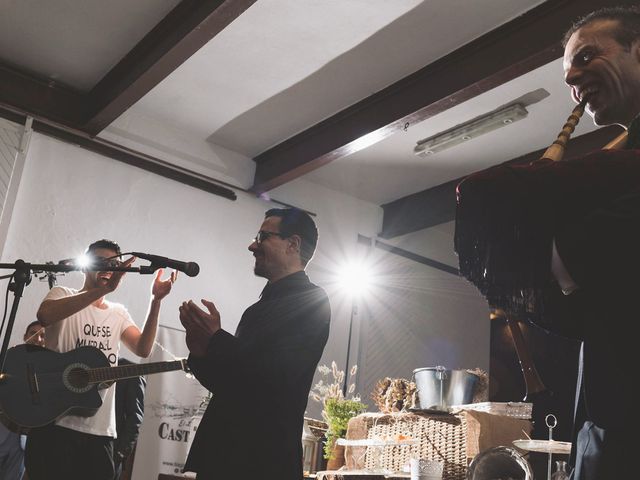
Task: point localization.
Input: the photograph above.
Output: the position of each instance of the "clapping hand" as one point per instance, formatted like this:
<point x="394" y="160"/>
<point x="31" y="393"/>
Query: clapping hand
<point x="200" y="325"/>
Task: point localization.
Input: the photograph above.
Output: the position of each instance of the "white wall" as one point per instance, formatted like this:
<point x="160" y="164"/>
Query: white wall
<point x="70" y="197"/>
<point x="179" y="147"/>
<point x="418" y="316"/>
<point x="413" y="315"/>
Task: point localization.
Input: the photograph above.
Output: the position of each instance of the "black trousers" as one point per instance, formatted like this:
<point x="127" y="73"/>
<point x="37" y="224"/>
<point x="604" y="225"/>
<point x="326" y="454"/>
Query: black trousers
<point x="54" y="453"/>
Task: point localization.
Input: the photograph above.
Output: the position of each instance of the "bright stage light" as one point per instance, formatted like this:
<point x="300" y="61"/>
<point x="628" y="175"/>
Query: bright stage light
<point x="84" y="261"/>
<point x="355" y="278"/>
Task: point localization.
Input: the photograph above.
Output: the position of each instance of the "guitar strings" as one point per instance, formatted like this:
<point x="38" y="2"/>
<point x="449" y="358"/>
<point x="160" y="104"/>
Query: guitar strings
<point x="42" y="376"/>
<point x="166" y="350"/>
<point x="187" y="374"/>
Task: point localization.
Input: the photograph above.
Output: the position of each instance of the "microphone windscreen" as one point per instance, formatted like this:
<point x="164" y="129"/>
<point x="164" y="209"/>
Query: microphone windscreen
<point x="192" y="269"/>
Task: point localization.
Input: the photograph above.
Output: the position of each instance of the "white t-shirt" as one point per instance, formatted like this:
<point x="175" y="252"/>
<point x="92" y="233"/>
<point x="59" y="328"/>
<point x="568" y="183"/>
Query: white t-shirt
<point x="96" y="327"/>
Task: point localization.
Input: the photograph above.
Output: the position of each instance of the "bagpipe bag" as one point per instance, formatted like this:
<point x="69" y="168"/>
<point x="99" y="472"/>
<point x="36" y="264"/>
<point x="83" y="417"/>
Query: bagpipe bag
<point x="506" y="217"/>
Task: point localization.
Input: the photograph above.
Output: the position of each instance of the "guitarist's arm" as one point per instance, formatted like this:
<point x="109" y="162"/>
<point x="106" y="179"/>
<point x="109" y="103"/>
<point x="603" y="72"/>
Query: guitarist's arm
<point x="53" y="310"/>
<point x="141" y="342"/>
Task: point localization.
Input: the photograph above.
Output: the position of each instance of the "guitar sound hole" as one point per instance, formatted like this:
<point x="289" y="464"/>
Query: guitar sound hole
<point x="78" y="378"/>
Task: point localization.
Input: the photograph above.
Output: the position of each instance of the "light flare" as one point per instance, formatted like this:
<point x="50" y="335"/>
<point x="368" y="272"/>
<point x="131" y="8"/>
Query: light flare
<point x="84" y="261"/>
<point x="355" y="278"/>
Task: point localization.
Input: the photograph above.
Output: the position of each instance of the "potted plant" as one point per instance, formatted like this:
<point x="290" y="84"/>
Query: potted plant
<point x="336" y="409"/>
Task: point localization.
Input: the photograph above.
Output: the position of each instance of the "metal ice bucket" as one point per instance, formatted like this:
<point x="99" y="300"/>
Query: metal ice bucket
<point x="439" y="388"/>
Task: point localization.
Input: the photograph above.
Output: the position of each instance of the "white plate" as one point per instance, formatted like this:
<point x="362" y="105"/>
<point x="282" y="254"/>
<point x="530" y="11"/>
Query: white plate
<point x="374" y="442"/>
<point x="544" y="446"/>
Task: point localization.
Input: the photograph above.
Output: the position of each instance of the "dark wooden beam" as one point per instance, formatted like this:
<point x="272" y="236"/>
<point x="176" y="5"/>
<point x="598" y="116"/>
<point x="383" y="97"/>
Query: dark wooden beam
<point x="420" y="210"/>
<point x="438" y="204"/>
<point x="40" y="97"/>
<point x="522" y="45"/>
<point x="187" y="28"/>
<point x="401" y="252"/>
<point x="124" y="154"/>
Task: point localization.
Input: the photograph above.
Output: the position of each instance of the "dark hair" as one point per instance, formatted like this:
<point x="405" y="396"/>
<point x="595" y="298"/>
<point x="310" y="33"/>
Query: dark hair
<point x="627" y="31"/>
<point x="35" y="322"/>
<point x="104" y="243"/>
<point x="297" y="222"/>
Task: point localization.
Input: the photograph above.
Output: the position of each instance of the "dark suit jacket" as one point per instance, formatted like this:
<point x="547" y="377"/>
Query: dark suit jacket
<point x="601" y="251"/>
<point x="260" y="380"/>
<point x="507" y="219"/>
<point x="509" y="216"/>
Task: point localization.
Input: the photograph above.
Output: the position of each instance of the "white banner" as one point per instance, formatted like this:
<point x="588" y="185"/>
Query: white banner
<point x="172" y="411"/>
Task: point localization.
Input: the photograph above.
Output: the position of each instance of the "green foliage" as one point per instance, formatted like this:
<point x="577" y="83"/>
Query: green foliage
<point x="336" y="409"/>
<point x="337" y="412"/>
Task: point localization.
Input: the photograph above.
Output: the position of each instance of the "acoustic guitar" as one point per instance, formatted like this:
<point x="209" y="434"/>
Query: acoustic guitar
<point x="40" y="385"/>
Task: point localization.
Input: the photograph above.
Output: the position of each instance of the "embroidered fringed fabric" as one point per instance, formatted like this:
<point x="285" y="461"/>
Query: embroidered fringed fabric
<point x="507" y="215"/>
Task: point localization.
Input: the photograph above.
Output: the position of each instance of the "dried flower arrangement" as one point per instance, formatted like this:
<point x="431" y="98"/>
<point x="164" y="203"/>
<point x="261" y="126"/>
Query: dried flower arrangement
<point x="394" y="394"/>
<point x="481" y="392"/>
<point x="337" y="410"/>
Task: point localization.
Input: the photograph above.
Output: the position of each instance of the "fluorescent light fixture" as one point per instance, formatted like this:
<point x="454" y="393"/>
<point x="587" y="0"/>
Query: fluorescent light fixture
<point x="471" y="129"/>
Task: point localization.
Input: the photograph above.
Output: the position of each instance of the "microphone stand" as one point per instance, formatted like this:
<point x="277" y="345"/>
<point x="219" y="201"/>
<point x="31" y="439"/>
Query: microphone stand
<point x="22" y="277"/>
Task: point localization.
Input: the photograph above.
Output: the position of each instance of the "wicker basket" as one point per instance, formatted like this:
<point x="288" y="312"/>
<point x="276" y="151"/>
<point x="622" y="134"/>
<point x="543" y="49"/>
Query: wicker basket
<point x="453" y="439"/>
<point x="440" y="437"/>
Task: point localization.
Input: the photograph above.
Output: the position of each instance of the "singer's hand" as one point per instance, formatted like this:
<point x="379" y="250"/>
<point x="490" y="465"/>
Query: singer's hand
<point x="116" y="277"/>
<point x="161" y="288"/>
<point x="200" y="325"/>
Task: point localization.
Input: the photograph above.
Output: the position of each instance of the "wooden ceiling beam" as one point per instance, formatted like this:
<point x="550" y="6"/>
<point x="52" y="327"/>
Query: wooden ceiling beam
<point x="437" y="205"/>
<point x="515" y="48"/>
<point x="124" y="154"/>
<point x="39" y="97"/>
<point x="186" y="29"/>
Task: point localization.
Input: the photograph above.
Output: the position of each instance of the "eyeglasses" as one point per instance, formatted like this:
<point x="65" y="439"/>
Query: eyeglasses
<point x="263" y="235"/>
<point x="106" y="262"/>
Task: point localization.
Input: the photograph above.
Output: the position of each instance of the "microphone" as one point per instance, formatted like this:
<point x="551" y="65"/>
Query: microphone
<point x="190" y="268"/>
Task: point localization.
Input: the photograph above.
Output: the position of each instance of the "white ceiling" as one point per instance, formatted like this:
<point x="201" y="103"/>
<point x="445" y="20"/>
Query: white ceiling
<point x="273" y="46"/>
<point x="74" y="42"/>
<point x="285" y="65"/>
<point x="393" y="161"/>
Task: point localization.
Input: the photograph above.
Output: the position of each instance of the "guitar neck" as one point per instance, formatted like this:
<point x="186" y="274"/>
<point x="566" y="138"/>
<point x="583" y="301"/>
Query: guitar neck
<point x="110" y="374"/>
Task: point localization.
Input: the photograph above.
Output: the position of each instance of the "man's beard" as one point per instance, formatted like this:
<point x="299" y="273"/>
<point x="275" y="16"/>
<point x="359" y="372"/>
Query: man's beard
<point x="259" y="271"/>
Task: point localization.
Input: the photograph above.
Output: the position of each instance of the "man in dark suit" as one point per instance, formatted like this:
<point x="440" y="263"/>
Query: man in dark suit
<point x="260" y="378"/>
<point x="595" y="257"/>
<point x="129" y="415"/>
<point x="557" y="242"/>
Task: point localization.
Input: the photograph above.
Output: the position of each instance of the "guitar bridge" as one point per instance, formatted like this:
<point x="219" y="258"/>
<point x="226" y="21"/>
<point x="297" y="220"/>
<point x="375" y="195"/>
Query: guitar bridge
<point x="34" y="388"/>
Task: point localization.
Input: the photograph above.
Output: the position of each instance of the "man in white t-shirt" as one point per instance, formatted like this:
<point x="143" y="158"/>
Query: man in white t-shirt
<point x="78" y="447"/>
